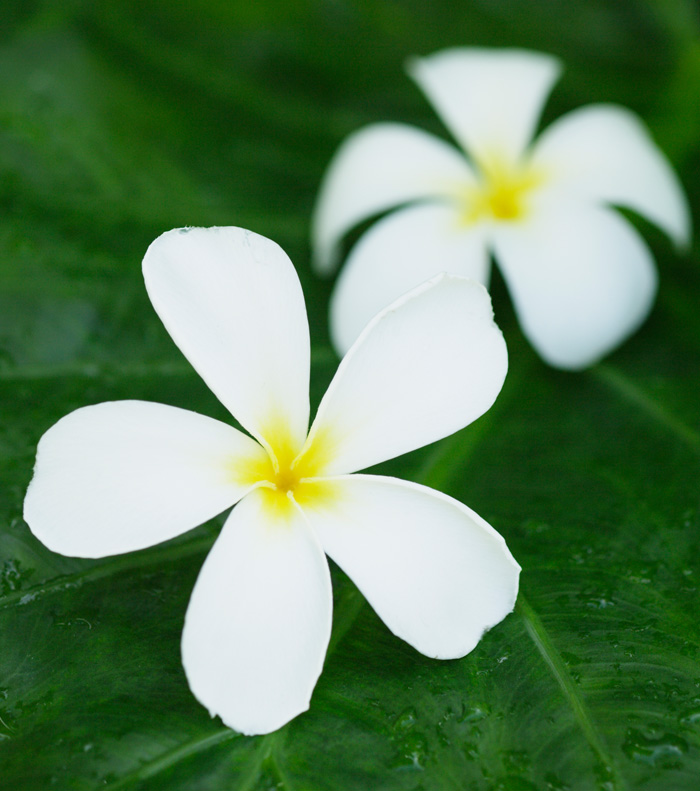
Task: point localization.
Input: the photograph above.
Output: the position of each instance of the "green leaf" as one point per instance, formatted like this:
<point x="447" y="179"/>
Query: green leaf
<point x="123" y="119"/>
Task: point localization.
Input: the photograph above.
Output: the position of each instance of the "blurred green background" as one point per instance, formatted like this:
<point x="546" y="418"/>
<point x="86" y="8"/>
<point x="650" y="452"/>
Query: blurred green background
<point x="122" y="119"/>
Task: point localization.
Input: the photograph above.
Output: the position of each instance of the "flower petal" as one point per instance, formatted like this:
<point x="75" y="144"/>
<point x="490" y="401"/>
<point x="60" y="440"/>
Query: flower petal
<point x="259" y="620"/>
<point x="435" y="572"/>
<point x="125" y="475"/>
<point x="490" y="99"/>
<point x="426" y="366"/>
<point x="377" y="168"/>
<point x="398" y="253"/>
<point x="232" y="302"/>
<point x="581" y="278"/>
<point x="604" y="153"/>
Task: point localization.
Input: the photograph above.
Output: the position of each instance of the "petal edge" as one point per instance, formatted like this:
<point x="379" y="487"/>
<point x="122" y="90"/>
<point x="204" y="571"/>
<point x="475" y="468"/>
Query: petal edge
<point x="398" y="253"/>
<point x="232" y="302"/>
<point x="426" y="366"/>
<point x="581" y="278"/>
<point x="125" y="475"/>
<point x="436" y="573"/>
<point x="603" y="153"/>
<point x="259" y="620"/>
<point x="378" y="168"/>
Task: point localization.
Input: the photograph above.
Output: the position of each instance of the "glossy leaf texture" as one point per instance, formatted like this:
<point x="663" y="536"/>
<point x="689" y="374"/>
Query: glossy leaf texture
<point x="123" y="119"/>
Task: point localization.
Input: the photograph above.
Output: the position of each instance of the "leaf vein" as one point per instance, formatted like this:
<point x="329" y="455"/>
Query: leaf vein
<point x="539" y="636"/>
<point x="173" y="757"/>
<point x="629" y="391"/>
<point x="115" y="565"/>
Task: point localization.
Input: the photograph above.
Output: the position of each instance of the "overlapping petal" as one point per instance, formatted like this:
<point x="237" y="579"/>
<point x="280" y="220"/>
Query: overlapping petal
<point x="435" y="572"/>
<point x="398" y="253"/>
<point x="232" y="302"/>
<point x="125" y="475"/>
<point x="490" y="99"/>
<point x="378" y="168"/>
<point x="581" y="278"/>
<point x="259" y="620"/>
<point x="426" y="366"/>
<point x="603" y="153"/>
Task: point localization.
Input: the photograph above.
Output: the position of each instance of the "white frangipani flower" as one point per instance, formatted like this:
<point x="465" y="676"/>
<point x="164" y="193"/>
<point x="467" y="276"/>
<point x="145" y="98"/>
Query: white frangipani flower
<point x="120" y="476"/>
<point x="580" y="276"/>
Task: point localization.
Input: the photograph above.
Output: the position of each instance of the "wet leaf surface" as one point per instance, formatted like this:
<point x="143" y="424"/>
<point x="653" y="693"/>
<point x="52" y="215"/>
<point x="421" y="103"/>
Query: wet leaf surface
<point x="120" y="120"/>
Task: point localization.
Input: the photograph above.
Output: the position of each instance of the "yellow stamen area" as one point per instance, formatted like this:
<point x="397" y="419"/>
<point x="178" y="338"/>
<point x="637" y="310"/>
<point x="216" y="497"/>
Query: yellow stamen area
<point x="502" y="194"/>
<point x="284" y="474"/>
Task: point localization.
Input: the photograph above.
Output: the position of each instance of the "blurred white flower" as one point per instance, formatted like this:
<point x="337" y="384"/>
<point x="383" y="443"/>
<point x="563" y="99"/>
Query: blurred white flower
<point x="120" y="476"/>
<point x="580" y="276"/>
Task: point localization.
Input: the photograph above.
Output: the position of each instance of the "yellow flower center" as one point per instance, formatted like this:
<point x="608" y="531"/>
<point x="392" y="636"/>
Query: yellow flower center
<point x="281" y="485"/>
<point x="284" y="475"/>
<point x="503" y="192"/>
<point x="286" y="479"/>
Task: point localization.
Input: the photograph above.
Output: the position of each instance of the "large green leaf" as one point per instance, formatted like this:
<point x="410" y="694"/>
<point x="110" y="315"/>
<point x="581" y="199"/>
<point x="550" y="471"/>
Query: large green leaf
<point x="122" y="119"/>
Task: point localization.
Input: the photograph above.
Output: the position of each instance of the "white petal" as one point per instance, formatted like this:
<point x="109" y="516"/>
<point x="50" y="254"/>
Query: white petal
<point x="604" y="153"/>
<point x="396" y="254"/>
<point x="377" y="168"/>
<point x="124" y="475"/>
<point x="490" y="99"/>
<point x="259" y="620"/>
<point x="581" y="278"/>
<point x="426" y="366"/>
<point x="232" y="302"/>
<point x="435" y="572"/>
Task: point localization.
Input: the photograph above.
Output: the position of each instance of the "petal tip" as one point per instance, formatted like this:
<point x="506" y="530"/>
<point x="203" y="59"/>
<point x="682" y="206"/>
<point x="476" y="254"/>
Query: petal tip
<point x="416" y="65"/>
